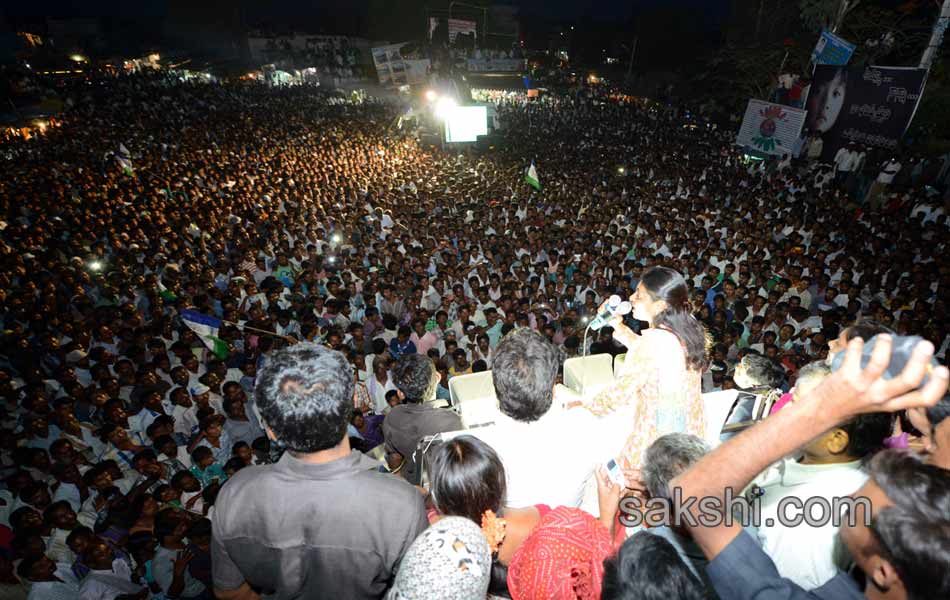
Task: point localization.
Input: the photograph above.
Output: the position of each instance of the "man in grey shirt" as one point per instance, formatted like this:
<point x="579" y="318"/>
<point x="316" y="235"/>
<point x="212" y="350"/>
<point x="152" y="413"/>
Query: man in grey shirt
<point x="416" y="380"/>
<point x="322" y="522"/>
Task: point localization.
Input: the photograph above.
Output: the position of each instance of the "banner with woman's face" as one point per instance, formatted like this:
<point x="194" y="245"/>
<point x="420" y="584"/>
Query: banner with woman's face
<point x="870" y="106"/>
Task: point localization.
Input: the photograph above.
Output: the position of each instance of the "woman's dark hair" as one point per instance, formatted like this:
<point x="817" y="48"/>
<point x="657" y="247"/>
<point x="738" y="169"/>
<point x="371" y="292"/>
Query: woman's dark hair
<point x="663" y="283"/>
<point x="466" y="478"/>
<point x="647" y="567"/>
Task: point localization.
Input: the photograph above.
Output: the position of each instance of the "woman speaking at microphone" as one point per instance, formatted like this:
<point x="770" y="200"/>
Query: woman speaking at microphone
<point x="662" y="372"/>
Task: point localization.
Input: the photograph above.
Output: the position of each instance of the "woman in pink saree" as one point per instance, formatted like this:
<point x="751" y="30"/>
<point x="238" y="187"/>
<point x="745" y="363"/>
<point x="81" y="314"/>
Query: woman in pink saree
<point x="662" y="372"/>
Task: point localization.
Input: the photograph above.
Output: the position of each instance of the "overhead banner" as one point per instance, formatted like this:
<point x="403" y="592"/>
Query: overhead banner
<point x="455" y="27"/>
<point x="495" y="65"/>
<point x="870" y="106"/>
<point x="770" y="128"/>
<point x="393" y="70"/>
<point x="385" y="58"/>
<point x="832" y="50"/>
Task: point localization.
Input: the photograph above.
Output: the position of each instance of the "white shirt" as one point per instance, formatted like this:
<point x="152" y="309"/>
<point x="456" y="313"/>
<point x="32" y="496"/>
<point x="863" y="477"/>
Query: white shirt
<point x="804" y="554"/>
<point x="186" y="419"/>
<point x="565" y="447"/>
<point x="106" y="584"/>
<point x="844" y="160"/>
<point x="67" y="589"/>
<point x="56" y="547"/>
<point x="163" y="571"/>
<point x="888" y="172"/>
<point x="377" y="391"/>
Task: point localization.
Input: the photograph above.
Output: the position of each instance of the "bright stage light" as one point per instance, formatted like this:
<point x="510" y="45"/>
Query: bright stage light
<point x="444" y="106"/>
<point x="431" y="95"/>
<point x="465" y="123"/>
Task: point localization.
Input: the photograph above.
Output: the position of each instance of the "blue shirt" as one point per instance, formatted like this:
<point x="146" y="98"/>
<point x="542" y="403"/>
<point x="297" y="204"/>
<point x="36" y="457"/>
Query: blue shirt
<point x="398" y="350"/>
<point x="494" y="333"/>
<point x="743" y="571"/>
<point x="207" y="476"/>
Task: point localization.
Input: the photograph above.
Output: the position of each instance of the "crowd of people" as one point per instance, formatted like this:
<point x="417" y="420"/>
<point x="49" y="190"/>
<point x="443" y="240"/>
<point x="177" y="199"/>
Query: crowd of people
<point x="352" y="272"/>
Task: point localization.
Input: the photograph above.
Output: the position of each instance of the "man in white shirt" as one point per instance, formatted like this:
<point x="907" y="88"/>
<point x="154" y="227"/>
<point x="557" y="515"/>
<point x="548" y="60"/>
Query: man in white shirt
<point x="48" y="580"/>
<point x="61" y="518"/>
<point x="889" y="170"/>
<point x="830" y="468"/>
<point x="844" y="161"/>
<point x="549" y="452"/>
<point x="109" y="577"/>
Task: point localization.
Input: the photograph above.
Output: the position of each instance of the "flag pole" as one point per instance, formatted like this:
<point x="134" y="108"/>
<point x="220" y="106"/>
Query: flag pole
<point x="262" y="331"/>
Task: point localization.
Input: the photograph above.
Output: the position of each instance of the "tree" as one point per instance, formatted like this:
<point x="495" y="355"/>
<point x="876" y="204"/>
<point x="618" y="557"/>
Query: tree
<point x="825" y="14"/>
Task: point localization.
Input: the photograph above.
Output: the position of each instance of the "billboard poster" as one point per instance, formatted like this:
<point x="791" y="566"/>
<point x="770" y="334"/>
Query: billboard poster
<point x="770" y="128"/>
<point x="871" y="106"/>
<point x="832" y="50"/>
<point x="454" y="27"/>
<point x="393" y="70"/>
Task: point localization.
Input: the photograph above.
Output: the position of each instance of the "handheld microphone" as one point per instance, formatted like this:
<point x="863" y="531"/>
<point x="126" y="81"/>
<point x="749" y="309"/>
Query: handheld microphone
<point x="614" y="308"/>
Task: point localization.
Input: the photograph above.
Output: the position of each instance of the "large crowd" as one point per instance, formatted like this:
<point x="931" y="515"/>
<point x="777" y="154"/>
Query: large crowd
<point x="345" y="259"/>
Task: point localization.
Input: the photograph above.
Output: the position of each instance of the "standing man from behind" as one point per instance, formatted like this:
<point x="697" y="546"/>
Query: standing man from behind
<point x="416" y="380"/>
<point x="885" y="178"/>
<point x="844" y="161"/>
<point x="322" y="521"/>
<point x="549" y="451"/>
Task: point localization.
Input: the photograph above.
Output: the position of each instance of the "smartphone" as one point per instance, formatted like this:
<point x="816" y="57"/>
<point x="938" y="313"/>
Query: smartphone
<point x="614" y="472"/>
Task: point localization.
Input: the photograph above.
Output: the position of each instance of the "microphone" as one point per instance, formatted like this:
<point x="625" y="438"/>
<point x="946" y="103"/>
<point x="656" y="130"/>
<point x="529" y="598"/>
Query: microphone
<point x="614" y="308"/>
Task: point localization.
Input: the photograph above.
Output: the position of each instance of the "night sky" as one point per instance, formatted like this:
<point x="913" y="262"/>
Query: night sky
<point x="617" y="10"/>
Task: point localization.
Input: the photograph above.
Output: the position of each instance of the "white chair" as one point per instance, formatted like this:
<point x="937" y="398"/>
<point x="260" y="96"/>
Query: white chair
<point x="716" y="407"/>
<point x="473" y="396"/>
<point x="587" y="375"/>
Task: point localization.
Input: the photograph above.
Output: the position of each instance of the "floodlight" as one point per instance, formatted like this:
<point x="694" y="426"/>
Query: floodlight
<point x="444" y="106"/>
